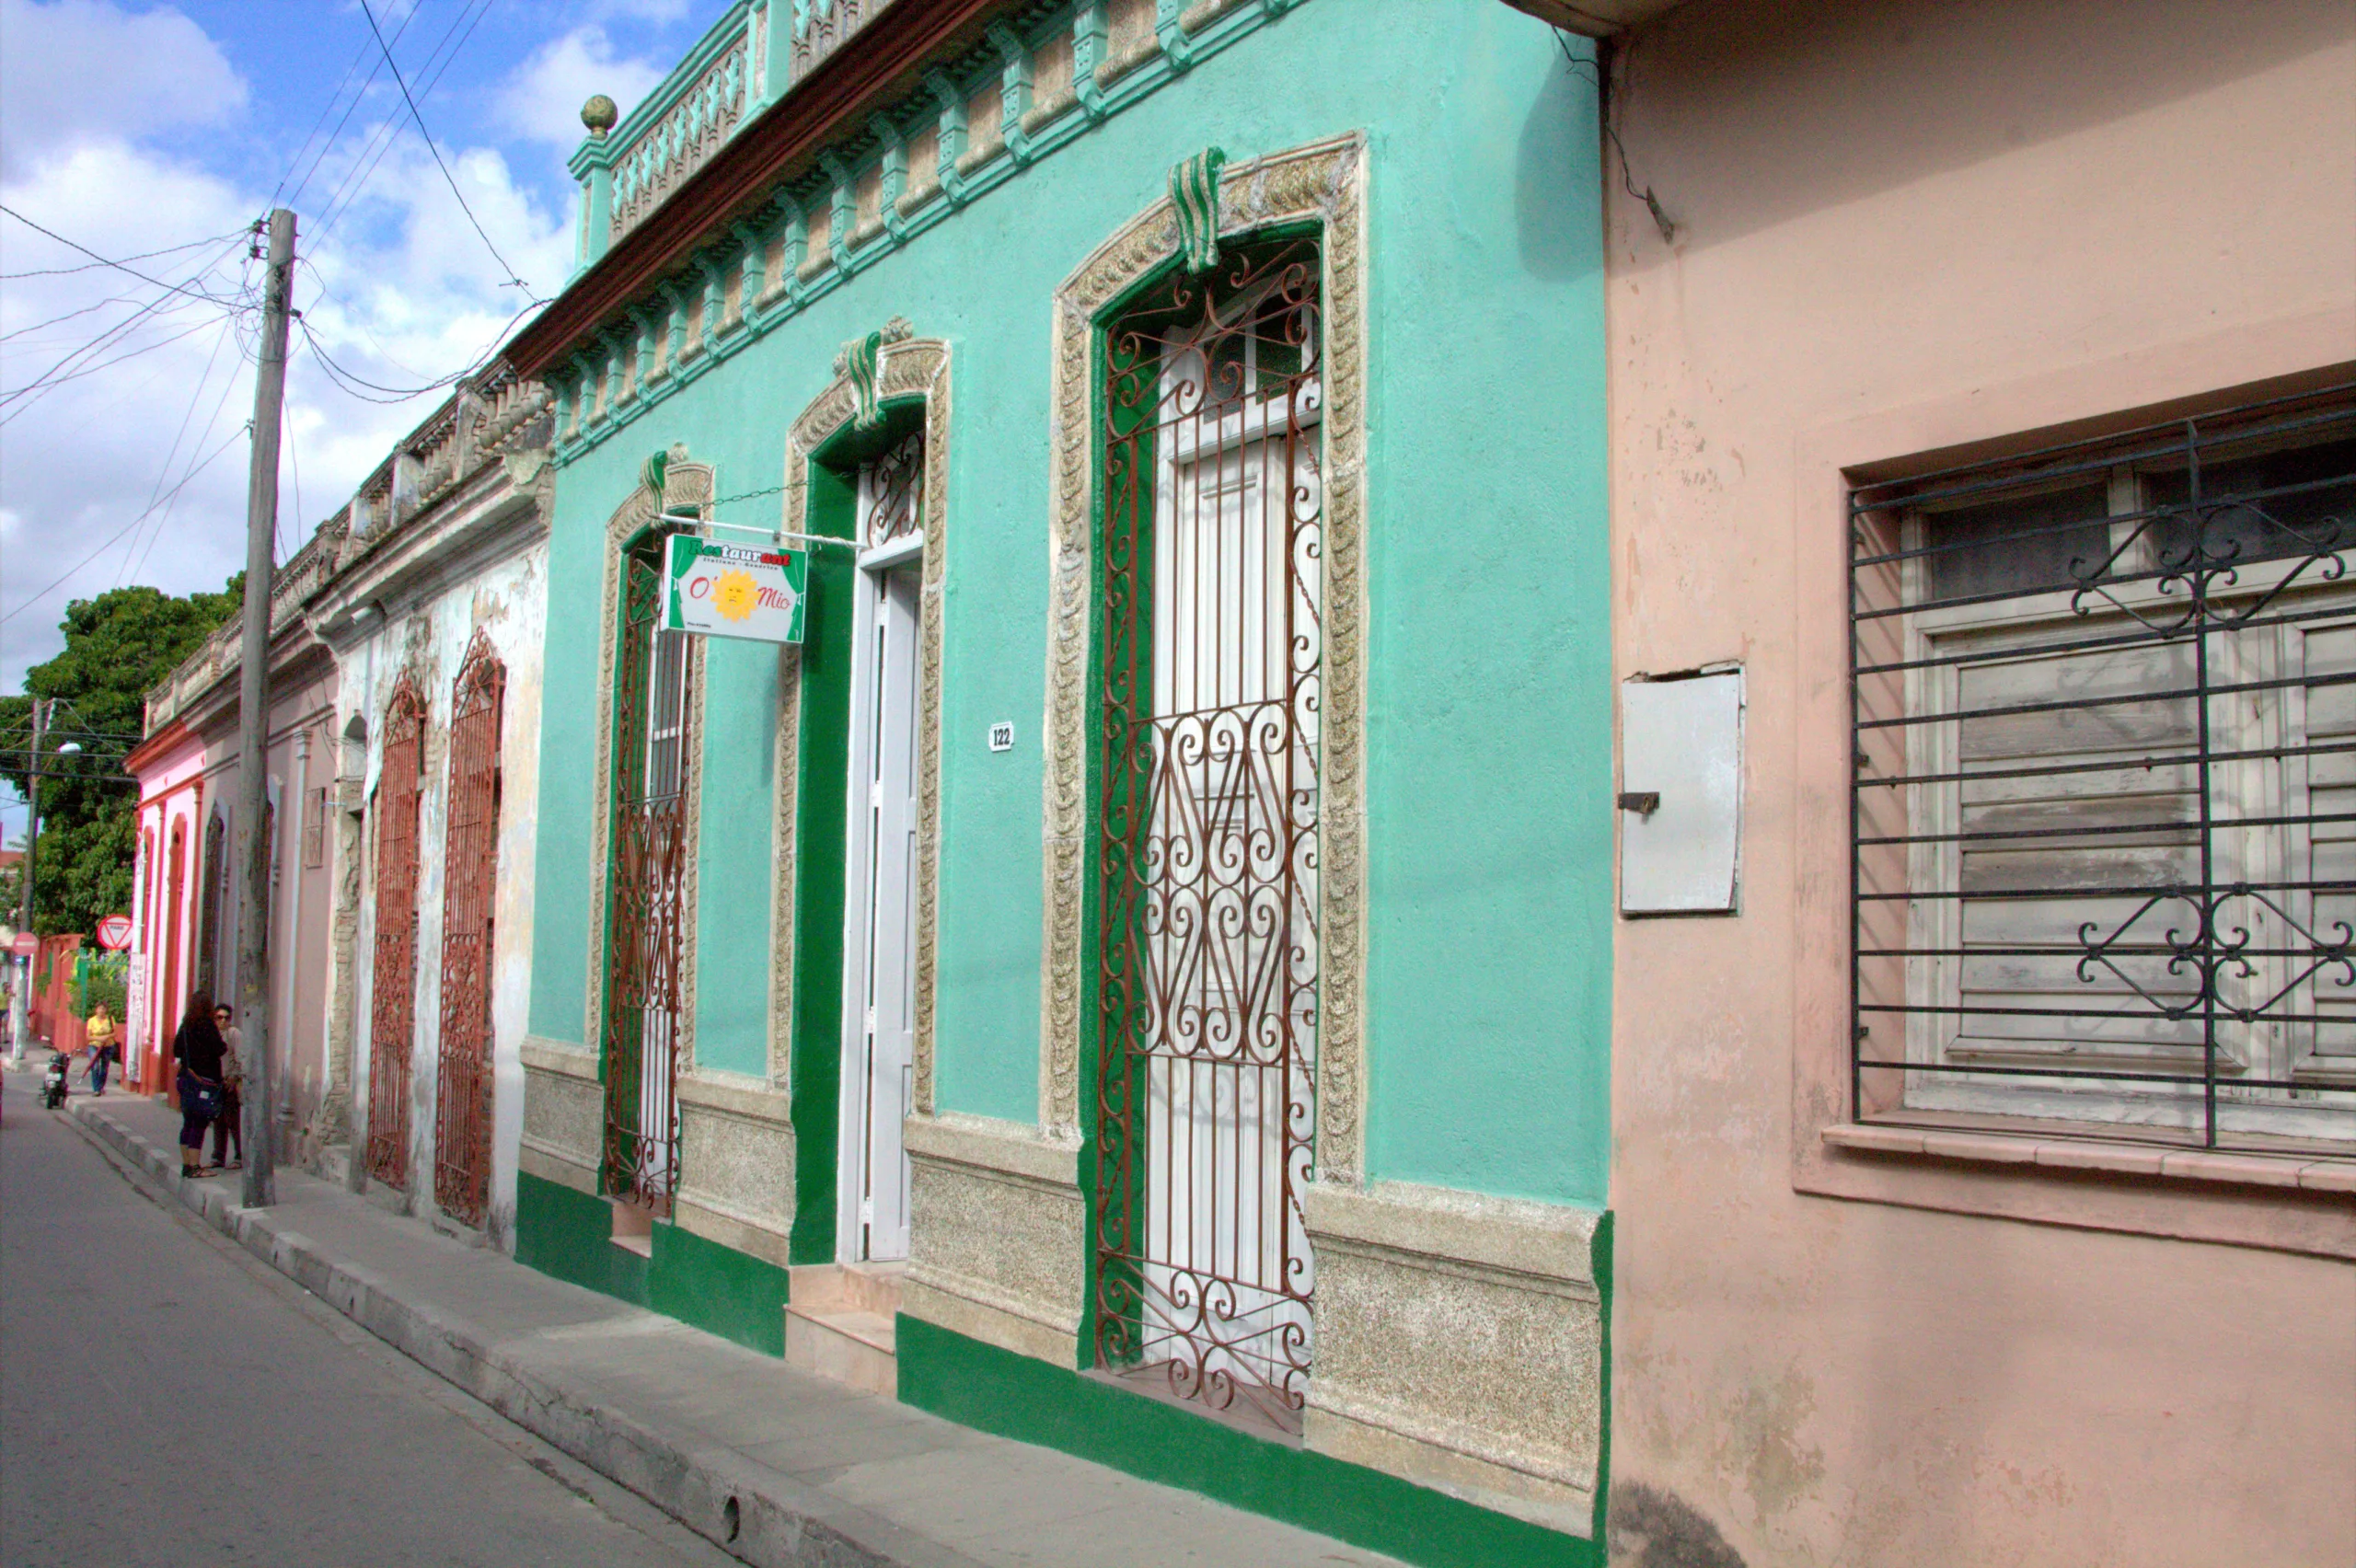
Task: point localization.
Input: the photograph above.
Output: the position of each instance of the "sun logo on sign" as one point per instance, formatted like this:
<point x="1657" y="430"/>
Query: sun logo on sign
<point x="733" y="594"/>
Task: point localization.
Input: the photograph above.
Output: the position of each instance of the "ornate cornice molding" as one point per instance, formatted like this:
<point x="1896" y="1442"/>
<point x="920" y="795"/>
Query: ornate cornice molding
<point x="1322" y="183"/>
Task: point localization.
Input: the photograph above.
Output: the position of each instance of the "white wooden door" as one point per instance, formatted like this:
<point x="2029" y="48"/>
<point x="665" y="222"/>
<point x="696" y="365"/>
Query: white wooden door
<point x="881" y="1016"/>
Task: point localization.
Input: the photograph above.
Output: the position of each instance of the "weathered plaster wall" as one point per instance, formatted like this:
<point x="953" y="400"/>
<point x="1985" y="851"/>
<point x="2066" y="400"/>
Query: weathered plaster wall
<point x="1902" y="226"/>
<point x="1487" y="929"/>
<point x="506" y="599"/>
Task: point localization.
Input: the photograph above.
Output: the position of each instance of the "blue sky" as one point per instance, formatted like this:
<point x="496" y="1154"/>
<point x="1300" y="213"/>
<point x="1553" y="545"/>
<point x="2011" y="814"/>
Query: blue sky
<point x="160" y="130"/>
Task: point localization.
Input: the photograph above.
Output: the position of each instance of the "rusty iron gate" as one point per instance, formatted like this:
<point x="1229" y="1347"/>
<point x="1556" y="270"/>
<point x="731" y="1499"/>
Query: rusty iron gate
<point x="650" y="766"/>
<point x="1207" y="852"/>
<point x="470" y="847"/>
<point x="392" y="1008"/>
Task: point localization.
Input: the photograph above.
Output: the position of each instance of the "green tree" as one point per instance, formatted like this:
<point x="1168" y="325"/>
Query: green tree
<point x="117" y="647"/>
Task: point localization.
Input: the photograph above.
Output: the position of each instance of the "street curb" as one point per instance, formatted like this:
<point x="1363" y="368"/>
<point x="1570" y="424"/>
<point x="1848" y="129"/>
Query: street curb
<point x="756" y="1515"/>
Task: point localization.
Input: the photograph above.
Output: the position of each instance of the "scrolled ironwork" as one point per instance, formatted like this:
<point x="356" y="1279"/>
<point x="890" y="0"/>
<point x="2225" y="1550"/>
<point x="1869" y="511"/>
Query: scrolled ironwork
<point x="462" y="1101"/>
<point x="392" y="1007"/>
<point x="1208" y="609"/>
<point x="2104" y="810"/>
<point x="652" y="774"/>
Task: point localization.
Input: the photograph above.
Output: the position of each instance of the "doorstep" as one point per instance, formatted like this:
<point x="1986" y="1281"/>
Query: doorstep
<point x="841" y="1323"/>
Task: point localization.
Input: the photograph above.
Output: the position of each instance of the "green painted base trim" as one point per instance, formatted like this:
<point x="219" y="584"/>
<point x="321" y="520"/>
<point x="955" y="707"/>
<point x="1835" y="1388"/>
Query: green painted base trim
<point x="570" y="1235"/>
<point x="1598" y="1264"/>
<point x="1015" y="1396"/>
<point x="718" y="1289"/>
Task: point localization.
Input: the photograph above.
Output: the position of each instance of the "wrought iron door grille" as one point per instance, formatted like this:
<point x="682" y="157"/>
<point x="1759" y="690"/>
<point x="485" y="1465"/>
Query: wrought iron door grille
<point x="2103" y="822"/>
<point x="470" y="842"/>
<point x="894" y="484"/>
<point x="392" y="1006"/>
<point x="1207" y="845"/>
<point x="214" y="881"/>
<point x="652" y="754"/>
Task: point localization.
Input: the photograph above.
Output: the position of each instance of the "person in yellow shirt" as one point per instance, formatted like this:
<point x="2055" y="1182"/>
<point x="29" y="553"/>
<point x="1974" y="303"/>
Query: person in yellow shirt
<point x="100" y="1032"/>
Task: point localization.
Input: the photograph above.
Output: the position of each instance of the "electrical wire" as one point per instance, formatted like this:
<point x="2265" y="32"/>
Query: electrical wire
<point x="108" y="261"/>
<point x="196" y="396"/>
<point x="117" y="536"/>
<point x="162" y="306"/>
<point x="355" y="181"/>
<point x="38" y="325"/>
<point x="53" y="382"/>
<point x="143" y="256"/>
<point x="447" y="178"/>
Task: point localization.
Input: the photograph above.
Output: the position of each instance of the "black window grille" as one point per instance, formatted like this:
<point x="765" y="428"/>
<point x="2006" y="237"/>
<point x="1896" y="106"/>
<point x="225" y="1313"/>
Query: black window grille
<point x="2102" y="701"/>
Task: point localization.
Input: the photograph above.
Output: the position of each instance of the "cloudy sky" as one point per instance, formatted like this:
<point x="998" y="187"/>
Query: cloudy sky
<point x="159" y="133"/>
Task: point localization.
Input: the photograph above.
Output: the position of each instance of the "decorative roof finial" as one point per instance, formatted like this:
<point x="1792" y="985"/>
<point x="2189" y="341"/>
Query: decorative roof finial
<point x="599" y="114"/>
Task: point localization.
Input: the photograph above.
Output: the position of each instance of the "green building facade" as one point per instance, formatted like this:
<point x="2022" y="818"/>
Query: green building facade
<point x="1136" y="975"/>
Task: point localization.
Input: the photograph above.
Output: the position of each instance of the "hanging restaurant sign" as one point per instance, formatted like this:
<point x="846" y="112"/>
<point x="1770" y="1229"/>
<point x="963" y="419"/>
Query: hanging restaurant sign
<point x="731" y="591"/>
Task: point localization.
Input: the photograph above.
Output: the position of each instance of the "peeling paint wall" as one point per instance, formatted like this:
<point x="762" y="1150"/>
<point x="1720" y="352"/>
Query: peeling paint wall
<point x="1904" y="225"/>
<point x="428" y="639"/>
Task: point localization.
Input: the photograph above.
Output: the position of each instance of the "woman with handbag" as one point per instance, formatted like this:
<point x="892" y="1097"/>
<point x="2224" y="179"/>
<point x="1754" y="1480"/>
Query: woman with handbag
<point x="198" y="1048"/>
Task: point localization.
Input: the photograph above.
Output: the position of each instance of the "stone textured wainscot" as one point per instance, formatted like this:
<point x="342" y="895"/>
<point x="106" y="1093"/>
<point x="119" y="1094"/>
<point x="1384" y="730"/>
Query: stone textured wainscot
<point x="735" y="1163"/>
<point x="998" y="1231"/>
<point x="564" y="1115"/>
<point x="1459" y="1345"/>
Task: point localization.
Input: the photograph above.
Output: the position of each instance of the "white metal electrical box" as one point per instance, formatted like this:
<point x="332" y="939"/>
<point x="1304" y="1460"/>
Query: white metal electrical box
<point x="1681" y="793"/>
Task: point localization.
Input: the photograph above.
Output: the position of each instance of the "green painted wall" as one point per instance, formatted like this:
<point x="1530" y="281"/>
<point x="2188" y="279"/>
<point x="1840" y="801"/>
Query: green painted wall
<point x="1489" y="690"/>
<point x="570" y="1235"/>
<point x="997" y="1390"/>
<point x="718" y="1289"/>
<point x="739" y="789"/>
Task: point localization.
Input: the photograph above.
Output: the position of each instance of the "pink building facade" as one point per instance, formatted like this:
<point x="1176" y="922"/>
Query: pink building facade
<point x="186" y="913"/>
<point x="1946" y="1234"/>
<point x="169" y="765"/>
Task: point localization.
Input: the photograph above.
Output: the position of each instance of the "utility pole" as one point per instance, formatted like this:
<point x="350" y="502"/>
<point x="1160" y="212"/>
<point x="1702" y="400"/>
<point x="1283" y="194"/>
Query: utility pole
<point x="253" y="718"/>
<point x="20" y="1022"/>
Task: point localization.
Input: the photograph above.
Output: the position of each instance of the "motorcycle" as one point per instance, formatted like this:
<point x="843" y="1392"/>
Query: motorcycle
<point x="53" y="1084"/>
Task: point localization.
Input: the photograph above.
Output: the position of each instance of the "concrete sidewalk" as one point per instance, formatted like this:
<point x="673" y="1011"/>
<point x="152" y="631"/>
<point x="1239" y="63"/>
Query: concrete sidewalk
<point x="776" y="1465"/>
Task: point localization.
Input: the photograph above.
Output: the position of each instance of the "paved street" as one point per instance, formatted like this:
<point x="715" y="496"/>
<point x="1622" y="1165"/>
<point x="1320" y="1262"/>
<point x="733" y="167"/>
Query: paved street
<point x="142" y="1359"/>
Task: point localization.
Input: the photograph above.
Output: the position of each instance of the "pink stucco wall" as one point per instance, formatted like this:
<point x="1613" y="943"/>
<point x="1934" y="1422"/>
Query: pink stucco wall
<point x="1905" y="226"/>
<point x="186" y="776"/>
<point x="170" y="769"/>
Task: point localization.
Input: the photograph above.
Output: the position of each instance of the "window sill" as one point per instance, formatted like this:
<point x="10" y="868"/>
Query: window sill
<point x="2307" y="1172"/>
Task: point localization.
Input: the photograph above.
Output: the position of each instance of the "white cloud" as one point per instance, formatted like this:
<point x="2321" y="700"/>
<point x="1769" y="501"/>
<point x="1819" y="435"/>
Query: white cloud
<point x="541" y="101"/>
<point x="79" y="68"/>
<point x="398" y="290"/>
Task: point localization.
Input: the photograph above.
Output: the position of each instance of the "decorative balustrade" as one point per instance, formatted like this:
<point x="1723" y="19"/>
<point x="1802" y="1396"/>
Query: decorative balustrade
<point x="821" y="26"/>
<point x="685" y="136"/>
<point x="484" y="420"/>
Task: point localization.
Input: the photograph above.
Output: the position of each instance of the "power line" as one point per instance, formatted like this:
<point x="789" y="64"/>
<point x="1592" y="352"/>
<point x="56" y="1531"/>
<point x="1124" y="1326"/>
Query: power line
<point x="163" y="518"/>
<point x="115" y="299"/>
<point x="110" y="261"/>
<point x="117" y="536"/>
<point x="422" y="131"/>
<point x="143" y="256"/>
<point x="356" y="177"/>
<point x="58" y="372"/>
<point x="196" y="396"/>
<point x="51" y="383"/>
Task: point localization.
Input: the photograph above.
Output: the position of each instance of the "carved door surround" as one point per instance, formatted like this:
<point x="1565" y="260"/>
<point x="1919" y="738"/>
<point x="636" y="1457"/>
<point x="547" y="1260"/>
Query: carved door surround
<point x="1325" y="184"/>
